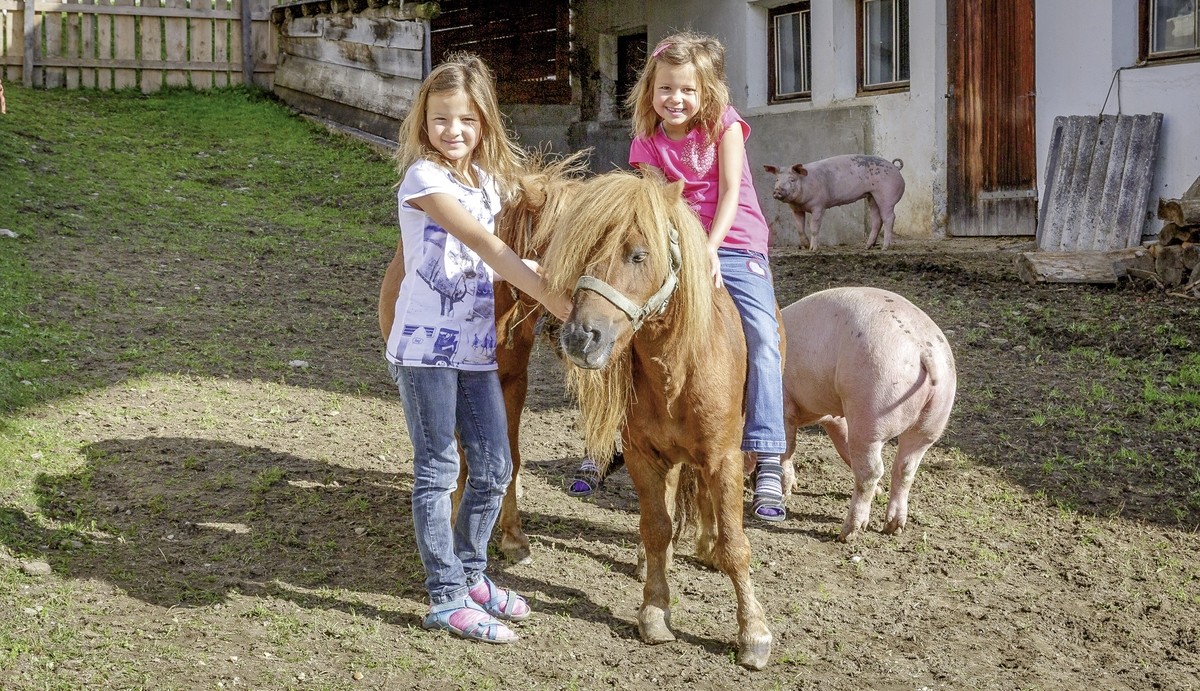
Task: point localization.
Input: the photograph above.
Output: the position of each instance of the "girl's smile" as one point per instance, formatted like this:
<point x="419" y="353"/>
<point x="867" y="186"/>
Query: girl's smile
<point x="452" y="124"/>
<point x="676" y="97"/>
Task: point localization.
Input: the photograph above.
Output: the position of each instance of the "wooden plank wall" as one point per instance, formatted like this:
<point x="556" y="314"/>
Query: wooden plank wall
<point x="135" y="44"/>
<point x="357" y="68"/>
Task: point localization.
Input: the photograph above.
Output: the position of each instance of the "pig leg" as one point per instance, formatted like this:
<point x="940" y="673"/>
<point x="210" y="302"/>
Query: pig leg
<point x="887" y="212"/>
<point x="866" y="460"/>
<point x="911" y="448"/>
<point x="801" y="227"/>
<point x="815" y="231"/>
<point x="839" y="434"/>
<point x="874" y="222"/>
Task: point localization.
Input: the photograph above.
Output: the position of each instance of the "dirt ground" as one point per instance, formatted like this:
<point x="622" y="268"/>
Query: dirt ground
<point x="251" y="529"/>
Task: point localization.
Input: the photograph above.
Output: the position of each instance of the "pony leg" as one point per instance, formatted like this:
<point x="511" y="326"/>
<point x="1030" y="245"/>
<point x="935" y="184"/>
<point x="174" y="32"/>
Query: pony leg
<point x="707" y="532"/>
<point x="732" y="557"/>
<point x="654" y="617"/>
<point x="866" y="460"/>
<point x="910" y="449"/>
<point x="512" y="358"/>
<point x="670" y="497"/>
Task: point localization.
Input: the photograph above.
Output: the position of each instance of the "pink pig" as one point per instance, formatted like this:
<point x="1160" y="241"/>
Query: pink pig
<point x="868" y="366"/>
<point x="839" y="180"/>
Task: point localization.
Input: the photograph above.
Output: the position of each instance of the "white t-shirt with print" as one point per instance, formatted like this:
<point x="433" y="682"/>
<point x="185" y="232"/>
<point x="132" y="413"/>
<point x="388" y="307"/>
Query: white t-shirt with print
<point x="445" y="311"/>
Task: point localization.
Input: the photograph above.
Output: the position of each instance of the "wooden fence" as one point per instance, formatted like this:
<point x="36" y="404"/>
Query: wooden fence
<point x="142" y="44"/>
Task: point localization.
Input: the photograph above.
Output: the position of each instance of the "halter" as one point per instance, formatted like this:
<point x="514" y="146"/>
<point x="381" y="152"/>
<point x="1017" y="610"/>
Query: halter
<point x="657" y="303"/>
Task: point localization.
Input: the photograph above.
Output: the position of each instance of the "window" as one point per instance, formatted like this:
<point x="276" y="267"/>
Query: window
<point x="789" y="53"/>
<point x="1170" y="29"/>
<point x="883" y="48"/>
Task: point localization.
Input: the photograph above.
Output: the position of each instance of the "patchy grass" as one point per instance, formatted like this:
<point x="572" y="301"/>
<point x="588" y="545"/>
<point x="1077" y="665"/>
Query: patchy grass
<point x="213" y="516"/>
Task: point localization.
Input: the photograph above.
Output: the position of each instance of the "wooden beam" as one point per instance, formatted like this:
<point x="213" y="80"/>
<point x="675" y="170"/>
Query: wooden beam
<point x="31" y="43"/>
<point x="1073" y="267"/>
<point x="247" y="45"/>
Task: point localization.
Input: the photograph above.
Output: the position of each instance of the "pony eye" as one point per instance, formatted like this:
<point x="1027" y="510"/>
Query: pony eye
<point x="638" y="256"/>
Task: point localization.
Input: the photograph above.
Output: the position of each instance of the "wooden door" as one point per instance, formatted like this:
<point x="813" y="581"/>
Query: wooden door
<point x="992" y="159"/>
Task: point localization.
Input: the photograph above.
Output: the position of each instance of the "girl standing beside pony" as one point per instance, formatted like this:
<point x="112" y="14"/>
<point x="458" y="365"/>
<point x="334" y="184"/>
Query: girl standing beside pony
<point x="685" y="129"/>
<point x="455" y="158"/>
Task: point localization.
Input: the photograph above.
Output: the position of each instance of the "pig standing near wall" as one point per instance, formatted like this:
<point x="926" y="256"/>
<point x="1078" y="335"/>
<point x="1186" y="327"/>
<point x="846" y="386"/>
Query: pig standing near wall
<point x="839" y="180"/>
<point x="868" y="366"/>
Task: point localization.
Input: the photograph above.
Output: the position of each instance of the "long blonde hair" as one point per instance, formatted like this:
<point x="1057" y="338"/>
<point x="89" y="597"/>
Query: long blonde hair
<point x="707" y="56"/>
<point x="496" y="152"/>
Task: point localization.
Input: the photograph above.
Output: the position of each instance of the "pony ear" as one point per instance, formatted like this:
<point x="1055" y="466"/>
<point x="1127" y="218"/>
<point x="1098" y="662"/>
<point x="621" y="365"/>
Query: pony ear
<point x="675" y="189"/>
<point x="798" y="169"/>
<point x="773" y="170"/>
<point x="652" y="173"/>
<point x="535" y="194"/>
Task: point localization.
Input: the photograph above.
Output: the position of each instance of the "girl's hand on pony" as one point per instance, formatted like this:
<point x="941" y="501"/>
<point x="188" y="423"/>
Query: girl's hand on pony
<point x="558" y="305"/>
<point x="715" y="263"/>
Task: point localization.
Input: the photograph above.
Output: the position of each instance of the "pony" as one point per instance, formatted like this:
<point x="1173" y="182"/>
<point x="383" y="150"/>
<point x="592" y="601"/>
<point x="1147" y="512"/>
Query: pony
<point x="525" y="224"/>
<point x="658" y="356"/>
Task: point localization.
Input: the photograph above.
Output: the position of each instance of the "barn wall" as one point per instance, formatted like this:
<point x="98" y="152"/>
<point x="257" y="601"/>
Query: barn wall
<point x="360" y="69"/>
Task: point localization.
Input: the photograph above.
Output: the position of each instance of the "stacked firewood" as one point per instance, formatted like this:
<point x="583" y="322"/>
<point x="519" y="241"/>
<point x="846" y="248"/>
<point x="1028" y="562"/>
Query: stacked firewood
<point x="1172" y="263"/>
<point x="1177" y="252"/>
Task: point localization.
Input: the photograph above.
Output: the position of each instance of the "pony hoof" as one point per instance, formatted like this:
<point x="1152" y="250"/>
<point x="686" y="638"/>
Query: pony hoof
<point x="517" y="553"/>
<point x="755" y="656"/>
<point x="653" y="627"/>
<point x="657" y="637"/>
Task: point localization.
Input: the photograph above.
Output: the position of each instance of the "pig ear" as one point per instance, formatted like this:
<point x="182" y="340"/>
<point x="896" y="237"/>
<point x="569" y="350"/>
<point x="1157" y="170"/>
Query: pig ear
<point x="771" y="169"/>
<point x="798" y="169"/>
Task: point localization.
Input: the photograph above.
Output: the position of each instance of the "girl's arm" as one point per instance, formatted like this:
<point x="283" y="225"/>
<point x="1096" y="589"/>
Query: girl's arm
<point x="731" y="155"/>
<point x="449" y="213"/>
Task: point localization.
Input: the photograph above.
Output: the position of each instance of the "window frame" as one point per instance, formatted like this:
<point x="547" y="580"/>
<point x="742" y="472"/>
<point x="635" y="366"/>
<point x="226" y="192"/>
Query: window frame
<point x="861" y="53"/>
<point x="773" y="96"/>
<point x="1146" y="37"/>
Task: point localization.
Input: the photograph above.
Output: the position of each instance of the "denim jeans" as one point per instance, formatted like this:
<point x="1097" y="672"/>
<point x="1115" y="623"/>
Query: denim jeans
<point x="439" y="401"/>
<point x="747" y="277"/>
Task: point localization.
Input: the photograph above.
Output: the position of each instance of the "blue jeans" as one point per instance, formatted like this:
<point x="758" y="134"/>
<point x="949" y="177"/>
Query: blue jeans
<point x="747" y="277"/>
<point x="439" y="401"/>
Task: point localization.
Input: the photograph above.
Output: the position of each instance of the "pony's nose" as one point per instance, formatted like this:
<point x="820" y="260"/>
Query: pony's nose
<point x="585" y="347"/>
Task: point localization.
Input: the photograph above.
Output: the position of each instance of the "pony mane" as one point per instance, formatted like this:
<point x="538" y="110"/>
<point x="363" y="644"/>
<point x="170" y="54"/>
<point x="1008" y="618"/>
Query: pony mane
<point x="543" y="189"/>
<point x="603" y="216"/>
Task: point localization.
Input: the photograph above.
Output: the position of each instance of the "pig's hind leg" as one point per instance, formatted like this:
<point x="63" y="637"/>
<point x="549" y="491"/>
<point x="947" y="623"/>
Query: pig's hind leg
<point x="875" y="222"/>
<point x="910" y="449"/>
<point x="885" y="208"/>
<point x="866" y="460"/>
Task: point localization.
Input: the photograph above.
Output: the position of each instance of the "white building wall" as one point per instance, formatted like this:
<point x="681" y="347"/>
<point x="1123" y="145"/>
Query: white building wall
<point x="1081" y="44"/>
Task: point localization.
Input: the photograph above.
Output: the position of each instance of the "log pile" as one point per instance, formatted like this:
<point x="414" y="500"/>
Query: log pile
<point x="1172" y="263"/>
<point x="1175" y="259"/>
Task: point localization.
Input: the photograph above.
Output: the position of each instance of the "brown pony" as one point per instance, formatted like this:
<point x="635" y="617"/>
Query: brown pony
<point x="659" y="358"/>
<point x="525" y="225"/>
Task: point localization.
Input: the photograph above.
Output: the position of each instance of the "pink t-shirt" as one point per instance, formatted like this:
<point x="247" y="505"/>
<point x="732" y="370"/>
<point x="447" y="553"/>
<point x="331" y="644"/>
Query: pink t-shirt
<point x="696" y="164"/>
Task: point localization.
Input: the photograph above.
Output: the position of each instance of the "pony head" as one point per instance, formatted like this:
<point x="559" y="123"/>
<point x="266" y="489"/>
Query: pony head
<point x="631" y="233"/>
